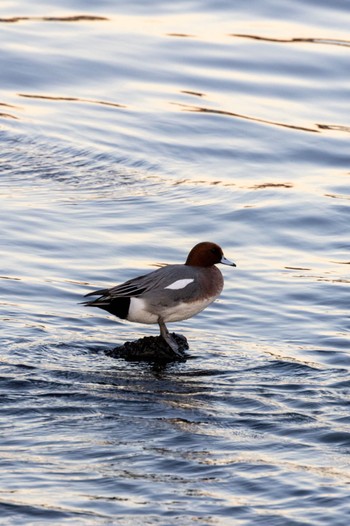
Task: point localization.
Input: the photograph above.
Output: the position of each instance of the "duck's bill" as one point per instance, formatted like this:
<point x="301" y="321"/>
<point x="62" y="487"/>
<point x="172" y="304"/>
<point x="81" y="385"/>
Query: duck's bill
<point x="226" y="261"/>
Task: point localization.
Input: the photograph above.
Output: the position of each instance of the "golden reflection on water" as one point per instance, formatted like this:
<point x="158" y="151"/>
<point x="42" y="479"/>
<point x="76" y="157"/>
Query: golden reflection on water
<point x="76" y="18"/>
<point x="69" y="99"/>
<point x="328" y="41"/>
<point x="209" y="26"/>
<point x="226" y="113"/>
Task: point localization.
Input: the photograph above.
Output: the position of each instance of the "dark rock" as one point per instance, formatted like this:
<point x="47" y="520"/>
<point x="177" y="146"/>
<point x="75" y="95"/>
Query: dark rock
<point x="151" y="349"/>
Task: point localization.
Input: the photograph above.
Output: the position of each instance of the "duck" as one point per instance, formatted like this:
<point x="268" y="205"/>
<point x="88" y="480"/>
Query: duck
<point x="173" y="292"/>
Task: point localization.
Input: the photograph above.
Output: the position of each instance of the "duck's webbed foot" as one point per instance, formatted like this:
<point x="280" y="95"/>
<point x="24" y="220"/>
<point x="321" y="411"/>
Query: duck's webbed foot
<point x="168" y="338"/>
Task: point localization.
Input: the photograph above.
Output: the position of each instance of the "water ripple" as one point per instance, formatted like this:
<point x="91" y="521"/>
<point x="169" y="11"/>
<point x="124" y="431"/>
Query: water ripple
<point x="128" y="136"/>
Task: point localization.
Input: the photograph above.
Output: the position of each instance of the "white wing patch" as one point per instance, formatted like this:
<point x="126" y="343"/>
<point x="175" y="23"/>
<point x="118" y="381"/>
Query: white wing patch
<point x="179" y="284"/>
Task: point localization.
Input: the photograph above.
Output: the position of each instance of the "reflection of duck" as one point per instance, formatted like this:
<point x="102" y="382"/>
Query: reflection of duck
<point x="170" y="293"/>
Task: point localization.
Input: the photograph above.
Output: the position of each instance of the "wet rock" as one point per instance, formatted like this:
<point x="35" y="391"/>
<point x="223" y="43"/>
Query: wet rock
<point x="151" y="349"/>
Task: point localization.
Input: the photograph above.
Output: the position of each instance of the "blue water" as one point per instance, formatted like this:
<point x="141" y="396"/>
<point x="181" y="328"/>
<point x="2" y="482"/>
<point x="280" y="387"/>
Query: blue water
<point x="129" y="132"/>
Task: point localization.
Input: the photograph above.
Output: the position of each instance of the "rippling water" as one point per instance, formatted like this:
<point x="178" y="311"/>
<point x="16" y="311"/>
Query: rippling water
<point x="129" y="132"/>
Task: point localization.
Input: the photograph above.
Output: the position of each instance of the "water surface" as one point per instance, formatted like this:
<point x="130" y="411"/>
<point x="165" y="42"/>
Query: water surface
<point x="128" y="134"/>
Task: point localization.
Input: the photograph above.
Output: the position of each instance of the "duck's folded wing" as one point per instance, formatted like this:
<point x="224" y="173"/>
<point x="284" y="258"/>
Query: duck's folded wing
<point x="133" y="287"/>
<point x="163" y="281"/>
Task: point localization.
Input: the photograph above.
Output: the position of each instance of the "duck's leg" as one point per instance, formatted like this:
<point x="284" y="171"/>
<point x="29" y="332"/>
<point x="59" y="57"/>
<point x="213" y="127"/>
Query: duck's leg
<point x="168" y="338"/>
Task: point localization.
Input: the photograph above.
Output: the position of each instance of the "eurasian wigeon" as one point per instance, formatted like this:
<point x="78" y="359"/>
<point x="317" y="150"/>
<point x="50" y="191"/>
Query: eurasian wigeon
<point x="170" y="293"/>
